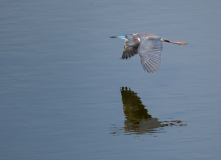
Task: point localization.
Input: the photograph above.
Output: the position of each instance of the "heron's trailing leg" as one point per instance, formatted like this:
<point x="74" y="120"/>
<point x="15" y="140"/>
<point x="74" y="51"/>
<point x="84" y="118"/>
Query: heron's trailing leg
<point x="179" y="43"/>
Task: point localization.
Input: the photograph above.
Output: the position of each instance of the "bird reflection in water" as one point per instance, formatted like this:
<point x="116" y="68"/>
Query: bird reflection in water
<point x="137" y="118"/>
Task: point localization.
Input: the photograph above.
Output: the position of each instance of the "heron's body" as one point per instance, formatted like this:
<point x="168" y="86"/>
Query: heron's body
<point x="148" y="46"/>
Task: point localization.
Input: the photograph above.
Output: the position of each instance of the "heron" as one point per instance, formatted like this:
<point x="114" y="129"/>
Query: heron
<point x="148" y="46"/>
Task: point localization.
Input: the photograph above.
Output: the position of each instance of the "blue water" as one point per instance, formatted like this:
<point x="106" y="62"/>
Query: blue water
<point x="62" y="79"/>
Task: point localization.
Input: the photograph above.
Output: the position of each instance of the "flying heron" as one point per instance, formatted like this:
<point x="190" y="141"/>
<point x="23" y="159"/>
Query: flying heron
<point x="148" y="46"/>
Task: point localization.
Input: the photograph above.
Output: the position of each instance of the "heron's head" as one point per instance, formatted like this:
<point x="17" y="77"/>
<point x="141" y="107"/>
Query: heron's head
<point x="129" y="38"/>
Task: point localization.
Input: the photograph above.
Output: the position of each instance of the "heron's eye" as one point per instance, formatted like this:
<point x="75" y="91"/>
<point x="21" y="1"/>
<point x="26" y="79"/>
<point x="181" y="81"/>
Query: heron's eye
<point x="126" y="36"/>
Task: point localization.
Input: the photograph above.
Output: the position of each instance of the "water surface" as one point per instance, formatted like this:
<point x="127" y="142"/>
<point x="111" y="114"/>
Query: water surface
<point x="66" y="94"/>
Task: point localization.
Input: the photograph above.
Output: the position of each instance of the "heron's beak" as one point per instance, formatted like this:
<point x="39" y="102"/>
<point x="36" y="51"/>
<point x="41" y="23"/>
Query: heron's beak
<point x="122" y="37"/>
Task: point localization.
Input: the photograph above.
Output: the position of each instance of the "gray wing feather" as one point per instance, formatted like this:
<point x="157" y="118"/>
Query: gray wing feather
<point x="150" y="50"/>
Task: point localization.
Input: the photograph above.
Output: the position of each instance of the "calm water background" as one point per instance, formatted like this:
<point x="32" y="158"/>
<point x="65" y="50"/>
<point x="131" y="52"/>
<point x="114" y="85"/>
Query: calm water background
<point x="61" y="80"/>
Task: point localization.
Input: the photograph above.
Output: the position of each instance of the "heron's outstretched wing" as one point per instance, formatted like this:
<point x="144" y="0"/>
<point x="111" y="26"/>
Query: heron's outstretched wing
<point x="129" y="52"/>
<point x="150" y="49"/>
